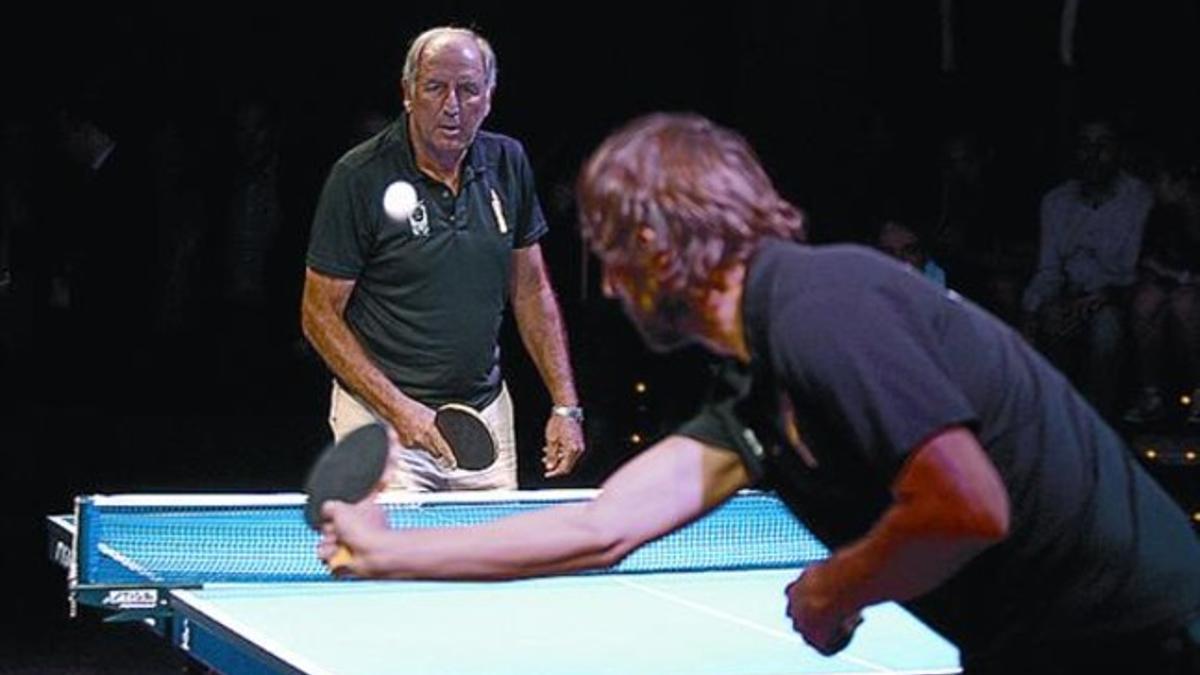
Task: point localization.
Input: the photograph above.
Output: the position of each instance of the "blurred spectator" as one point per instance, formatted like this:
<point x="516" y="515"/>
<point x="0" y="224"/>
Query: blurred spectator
<point x="1165" y="309"/>
<point x="16" y="225"/>
<point x="902" y="242"/>
<point x="255" y="213"/>
<point x="978" y="236"/>
<point x="96" y="234"/>
<point x="182" y="219"/>
<point x="85" y="150"/>
<point x="1091" y="233"/>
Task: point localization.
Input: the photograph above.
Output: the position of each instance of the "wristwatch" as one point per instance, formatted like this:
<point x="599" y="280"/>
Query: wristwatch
<point x="571" y="412"/>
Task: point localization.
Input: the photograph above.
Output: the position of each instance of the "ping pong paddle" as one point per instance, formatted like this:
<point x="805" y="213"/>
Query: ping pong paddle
<point x="347" y="471"/>
<point x="468" y="434"/>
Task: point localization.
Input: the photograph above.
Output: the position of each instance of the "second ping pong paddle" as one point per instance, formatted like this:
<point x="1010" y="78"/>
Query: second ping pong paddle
<point x="468" y="434"/>
<point x="348" y="470"/>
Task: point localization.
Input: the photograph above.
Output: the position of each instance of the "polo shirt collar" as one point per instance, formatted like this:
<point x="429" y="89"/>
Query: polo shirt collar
<point x="474" y="164"/>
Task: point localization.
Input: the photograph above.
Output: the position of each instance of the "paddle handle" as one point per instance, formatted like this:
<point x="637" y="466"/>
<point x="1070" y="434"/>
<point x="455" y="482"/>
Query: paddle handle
<point x="342" y="557"/>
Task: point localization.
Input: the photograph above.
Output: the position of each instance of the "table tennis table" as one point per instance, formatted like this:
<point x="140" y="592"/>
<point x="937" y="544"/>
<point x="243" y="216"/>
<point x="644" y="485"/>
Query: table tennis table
<point x="233" y="581"/>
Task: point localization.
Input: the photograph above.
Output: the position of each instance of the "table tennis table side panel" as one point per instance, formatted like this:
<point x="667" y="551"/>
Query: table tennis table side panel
<point x="60" y="540"/>
<point x="224" y="644"/>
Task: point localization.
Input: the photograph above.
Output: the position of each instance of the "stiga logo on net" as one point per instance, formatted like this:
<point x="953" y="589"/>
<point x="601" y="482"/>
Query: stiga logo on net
<point x="137" y="598"/>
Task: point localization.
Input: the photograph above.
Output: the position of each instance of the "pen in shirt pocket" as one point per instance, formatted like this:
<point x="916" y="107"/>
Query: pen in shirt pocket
<point x="498" y="211"/>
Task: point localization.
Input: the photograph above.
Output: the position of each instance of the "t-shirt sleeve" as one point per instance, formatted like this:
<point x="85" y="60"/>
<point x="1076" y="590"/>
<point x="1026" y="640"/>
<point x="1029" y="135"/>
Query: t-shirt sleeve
<point x="341" y="231"/>
<point x="876" y="370"/>
<point x="531" y="222"/>
<point x="720" y="424"/>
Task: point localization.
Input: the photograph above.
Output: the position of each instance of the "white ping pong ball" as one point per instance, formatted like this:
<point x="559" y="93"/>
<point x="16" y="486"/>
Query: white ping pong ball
<point x="399" y="200"/>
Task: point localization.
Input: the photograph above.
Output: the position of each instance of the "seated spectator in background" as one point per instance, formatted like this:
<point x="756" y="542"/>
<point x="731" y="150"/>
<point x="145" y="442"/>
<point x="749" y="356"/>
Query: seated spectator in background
<point x="977" y="236"/>
<point x="1165" y="309"/>
<point x="1091" y="233"/>
<point x="902" y="242"/>
<point x="180" y="218"/>
<point x="99" y="218"/>
<point x="16" y="221"/>
<point x="255" y="210"/>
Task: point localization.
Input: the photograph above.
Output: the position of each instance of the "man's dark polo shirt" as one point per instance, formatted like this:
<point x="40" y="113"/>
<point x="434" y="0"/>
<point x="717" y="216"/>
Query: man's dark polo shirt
<point x="430" y="291"/>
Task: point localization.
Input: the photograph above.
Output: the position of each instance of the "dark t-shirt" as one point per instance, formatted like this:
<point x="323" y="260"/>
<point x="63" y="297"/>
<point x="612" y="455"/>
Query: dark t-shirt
<point x="430" y="291"/>
<point x="874" y="360"/>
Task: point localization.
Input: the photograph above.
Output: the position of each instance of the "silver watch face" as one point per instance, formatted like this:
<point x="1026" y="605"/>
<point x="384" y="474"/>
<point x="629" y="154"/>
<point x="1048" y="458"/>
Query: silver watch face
<point x="570" y="412"/>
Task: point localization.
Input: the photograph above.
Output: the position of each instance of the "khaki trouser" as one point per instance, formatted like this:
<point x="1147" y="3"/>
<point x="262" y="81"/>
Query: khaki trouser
<point x="417" y="471"/>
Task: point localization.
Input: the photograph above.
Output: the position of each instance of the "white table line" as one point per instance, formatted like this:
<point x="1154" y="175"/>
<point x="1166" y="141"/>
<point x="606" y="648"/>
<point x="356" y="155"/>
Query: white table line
<point x="746" y="623"/>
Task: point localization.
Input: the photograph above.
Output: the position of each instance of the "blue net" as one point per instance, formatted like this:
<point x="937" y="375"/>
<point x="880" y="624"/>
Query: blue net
<point x="187" y="545"/>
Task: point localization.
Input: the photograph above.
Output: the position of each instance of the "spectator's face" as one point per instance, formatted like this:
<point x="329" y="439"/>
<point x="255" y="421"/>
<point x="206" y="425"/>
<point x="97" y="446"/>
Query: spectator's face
<point x="1097" y="152"/>
<point x="901" y="243"/>
<point x="448" y="99"/>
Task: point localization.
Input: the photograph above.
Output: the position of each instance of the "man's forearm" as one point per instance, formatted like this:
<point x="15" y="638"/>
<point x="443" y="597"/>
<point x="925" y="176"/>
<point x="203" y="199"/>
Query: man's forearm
<point x="668" y="485"/>
<point x="540" y="324"/>
<point x="950" y="505"/>
<point x="344" y="355"/>
<point x="550" y="541"/>
<point x="892" y="563"/>
<point x="1165" y="270"/>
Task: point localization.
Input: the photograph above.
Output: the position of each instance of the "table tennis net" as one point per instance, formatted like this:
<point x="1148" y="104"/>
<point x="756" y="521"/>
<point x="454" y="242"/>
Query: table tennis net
<point x="198" y="541"/>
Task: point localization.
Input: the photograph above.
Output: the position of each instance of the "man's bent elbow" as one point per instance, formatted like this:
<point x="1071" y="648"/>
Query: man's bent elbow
<point x="989" y="521"/>
<point x="608" y="542"/>
<point x="308" y="323"/>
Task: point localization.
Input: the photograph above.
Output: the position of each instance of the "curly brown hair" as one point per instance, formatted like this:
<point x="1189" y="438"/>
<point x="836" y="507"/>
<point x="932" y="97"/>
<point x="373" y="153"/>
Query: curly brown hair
<point x="697" y="186"/>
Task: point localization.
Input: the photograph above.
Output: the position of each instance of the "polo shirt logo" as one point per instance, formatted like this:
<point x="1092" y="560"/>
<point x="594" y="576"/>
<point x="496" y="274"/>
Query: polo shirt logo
<point x="418" y="220"/>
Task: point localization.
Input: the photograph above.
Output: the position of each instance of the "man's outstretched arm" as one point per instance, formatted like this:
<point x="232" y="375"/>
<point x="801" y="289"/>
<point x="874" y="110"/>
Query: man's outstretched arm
<point x="664" y="488"/>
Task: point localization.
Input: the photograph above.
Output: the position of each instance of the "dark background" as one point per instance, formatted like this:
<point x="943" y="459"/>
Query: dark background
<point x="844" y="99"/>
